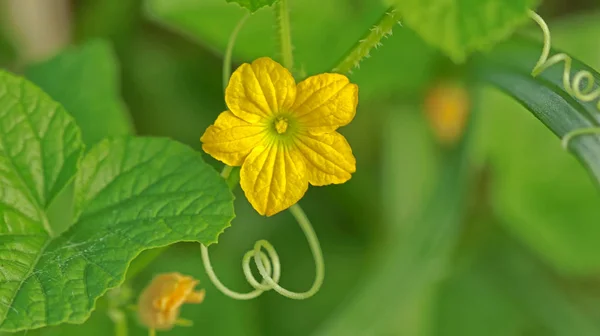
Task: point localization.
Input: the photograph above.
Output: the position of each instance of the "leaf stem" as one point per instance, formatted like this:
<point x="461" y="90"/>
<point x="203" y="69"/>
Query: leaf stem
<point x="229" y="50"/>
<point x="371" y="39"/>
<point x="269" y="266"/>
<point x="285" y="34"/>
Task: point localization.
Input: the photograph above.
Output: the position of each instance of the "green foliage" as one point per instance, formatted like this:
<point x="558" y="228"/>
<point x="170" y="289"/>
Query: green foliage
<point x="543" y="195"/>
<point x="253" y="5"/>
<point x="131" y="194"/>
<point x="459" y="27"/>
<point x="335" y="27"/>
<point x="86" y="81"/>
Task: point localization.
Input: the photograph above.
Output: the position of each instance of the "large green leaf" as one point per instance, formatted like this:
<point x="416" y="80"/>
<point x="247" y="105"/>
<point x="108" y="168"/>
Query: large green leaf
<point x="85" y="80"/>
<point x="131" y="194"/>
<point x="540" y="191"/>
<point x="459" y="27"/>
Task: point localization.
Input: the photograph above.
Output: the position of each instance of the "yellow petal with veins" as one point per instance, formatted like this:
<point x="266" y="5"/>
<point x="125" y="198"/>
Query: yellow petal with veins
<point x="325" y="102"/>
<point x="259" y="90"/>
<point x="231" y="139"/>
<point x="273" y="178"/>
<point x="328" y="156"/>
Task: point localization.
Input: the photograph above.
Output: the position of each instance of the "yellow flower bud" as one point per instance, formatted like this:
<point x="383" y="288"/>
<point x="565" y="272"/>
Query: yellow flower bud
<point x="447" y="106"/>
<point x="160" y="302"/>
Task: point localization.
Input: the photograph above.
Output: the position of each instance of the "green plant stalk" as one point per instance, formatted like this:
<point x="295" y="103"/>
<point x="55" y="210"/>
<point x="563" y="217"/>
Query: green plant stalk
<point x="285" y="34"/>
<point x="371" y="40"/>
<point x="229" y="51"/>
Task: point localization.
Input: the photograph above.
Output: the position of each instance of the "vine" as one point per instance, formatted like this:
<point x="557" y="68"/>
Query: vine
<point x="371" y="40"/>
<point x="268" y="264"/>
<point x="587" y="94"/>
<point x="284" y="32"/>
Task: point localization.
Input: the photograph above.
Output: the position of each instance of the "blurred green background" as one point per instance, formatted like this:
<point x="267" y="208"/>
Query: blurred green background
<point x="496" y="235"/>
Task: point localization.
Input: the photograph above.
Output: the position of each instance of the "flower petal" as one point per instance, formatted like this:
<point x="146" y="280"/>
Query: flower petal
<point x="329" y="158"/>
<point x="326" y="102"/>
<point x="273" y="178"/>
<point x="231" y="139"/>
<point x="260" y="89"/>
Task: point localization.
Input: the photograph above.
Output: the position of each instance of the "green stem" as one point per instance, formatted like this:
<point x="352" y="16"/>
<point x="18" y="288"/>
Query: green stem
<point x="285" y="34"/>
<point x="371" y="40"/>
<point x="120" y="321"/>
<point x="229" y="50"/>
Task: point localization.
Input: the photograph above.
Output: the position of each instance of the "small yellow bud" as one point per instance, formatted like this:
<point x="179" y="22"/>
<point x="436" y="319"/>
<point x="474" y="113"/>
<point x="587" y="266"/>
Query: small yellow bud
<point x="447" y="106"/>
<point x="160" y="302"/>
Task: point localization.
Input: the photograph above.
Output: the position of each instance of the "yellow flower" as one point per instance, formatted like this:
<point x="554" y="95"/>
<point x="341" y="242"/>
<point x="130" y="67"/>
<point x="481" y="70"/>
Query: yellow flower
<point x="159" y="303"/>
<point x="282" y="134"/>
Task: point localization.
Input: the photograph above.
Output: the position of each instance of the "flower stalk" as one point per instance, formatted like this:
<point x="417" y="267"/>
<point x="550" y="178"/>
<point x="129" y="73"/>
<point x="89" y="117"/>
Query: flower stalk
<point x="284" y="33"/>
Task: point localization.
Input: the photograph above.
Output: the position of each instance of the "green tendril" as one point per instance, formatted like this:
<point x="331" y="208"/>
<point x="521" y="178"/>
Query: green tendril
<point x="587" y="94"/>
<point x="229" y="50"/>
<point x="268" y="263"/>
<point x="269" y="266"/>
<point x="371" y="40"/>
<point x="284" y="33"/>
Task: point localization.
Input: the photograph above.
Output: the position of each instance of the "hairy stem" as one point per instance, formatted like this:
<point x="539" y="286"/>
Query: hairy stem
<point x="371" y="40"/>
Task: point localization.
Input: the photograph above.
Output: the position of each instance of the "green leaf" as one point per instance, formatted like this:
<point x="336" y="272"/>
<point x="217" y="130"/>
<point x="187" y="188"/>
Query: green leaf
<point x="85" y="80"/>
<point x="253" y="5"/>
<point x="542" y="194"/>
<point x="40" y="145"/>
<point x="459" y="27"/>
<point x="131" y="194"/>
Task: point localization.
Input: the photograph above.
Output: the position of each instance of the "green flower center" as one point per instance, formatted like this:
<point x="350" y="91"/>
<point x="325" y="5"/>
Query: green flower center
<point x="281" y="124"/>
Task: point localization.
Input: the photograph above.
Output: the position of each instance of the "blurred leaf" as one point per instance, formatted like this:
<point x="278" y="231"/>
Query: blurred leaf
<point x="471" y="304"/>
<point x="504" y="291"/>
<point x="540" y="192"/>
<point x="114" y="20"/>
<point x="172" y="87"/>
<point x="335" y="27"/>
<point x="412" y="263"/>
<point x="459" y="27"/>
<point x="85" y="80"/>
<point x="253" y="5"/>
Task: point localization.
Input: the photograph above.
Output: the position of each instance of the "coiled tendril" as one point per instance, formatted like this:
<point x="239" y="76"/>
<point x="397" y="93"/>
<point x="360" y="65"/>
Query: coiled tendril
<point x="268" y="264"/>
<point x="587" y="94"/>
<point x="269" y="267"/>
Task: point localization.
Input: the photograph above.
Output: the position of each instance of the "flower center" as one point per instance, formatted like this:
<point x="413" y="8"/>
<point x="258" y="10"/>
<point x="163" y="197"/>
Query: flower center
<point x="281" y="125"/>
